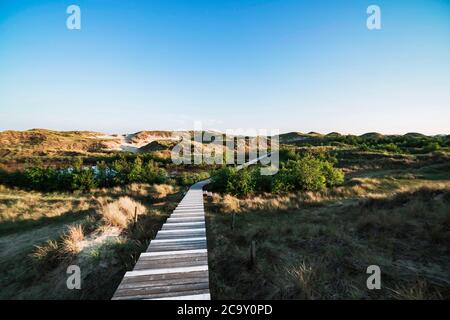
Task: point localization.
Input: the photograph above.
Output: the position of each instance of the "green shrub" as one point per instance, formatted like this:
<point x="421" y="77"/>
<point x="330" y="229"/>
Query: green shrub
<point x="334" y="177"/>
<point x="230" y="180"/>
<point x="104" y="175"/>
<point x="84" y="180"/>
<point x="45" y="179"/>
<point x="308" y="173"/>
<point x="305" y="174"/>
<point x="262" y="183"/>
<point x="242" y="183"/>
<point x="222" y="178"/>
<point x="432" y="147"/>
<point x="188" y="179"/>
<point x="121" y="169"/>
<point x="136" y="172"/>
<point x="152" y="173"/>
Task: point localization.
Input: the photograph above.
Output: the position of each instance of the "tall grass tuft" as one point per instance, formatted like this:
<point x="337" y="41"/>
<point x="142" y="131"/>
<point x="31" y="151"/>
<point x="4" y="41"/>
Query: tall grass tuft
<point x="71" y="240"/>
<point x="120" y="212"/>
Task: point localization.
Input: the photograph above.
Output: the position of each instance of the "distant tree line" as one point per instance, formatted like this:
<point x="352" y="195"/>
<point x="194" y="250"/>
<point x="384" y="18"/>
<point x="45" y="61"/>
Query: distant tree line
<point x="415" y="144"/>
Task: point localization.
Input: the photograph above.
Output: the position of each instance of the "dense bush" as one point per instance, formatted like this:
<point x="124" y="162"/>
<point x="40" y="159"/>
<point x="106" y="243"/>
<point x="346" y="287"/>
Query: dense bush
<point x="431" y="147"/>
<point x="188" y="179"/>
<point x="307" y="173"/>
<point x="83" y="179"/>
<point x="128" y="172"/>
<point x="304" y="174"/>
<point x="46" y="179"/>
<point x="333" y="177"/>
<point x="233" y="181"/>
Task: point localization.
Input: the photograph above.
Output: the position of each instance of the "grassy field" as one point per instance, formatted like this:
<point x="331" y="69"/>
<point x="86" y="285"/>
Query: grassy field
<point x="389" y="206"/>
<point x="42" y="234"/>
<point x="317" y="245"/>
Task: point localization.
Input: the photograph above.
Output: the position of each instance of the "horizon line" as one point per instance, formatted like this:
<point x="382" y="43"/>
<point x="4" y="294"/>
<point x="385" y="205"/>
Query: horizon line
<point x="224" y="131"/>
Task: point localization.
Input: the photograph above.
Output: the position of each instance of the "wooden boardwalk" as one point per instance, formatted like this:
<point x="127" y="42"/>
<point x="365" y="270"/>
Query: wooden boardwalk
<point x="175" y="265"/>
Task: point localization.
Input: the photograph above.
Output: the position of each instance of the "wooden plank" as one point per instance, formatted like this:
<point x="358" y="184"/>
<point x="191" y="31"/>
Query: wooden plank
<point x="179" y="255"/>
<point x="177" y="246"/>
<point x="190" y="207"/>
<point x="166" y="236"/>
<point x="151" y="265"/>
<point x="164" y="296"/>
<point x="182" y="230"/>
<point x="165" y="276"/>
<point x="165" y="282"/>
<point x="165" y="270"/>
<point x="195" y="219"/>
<point x="188" y="215"/>
<point x="152" y="254"/>
<point x="180" y="239"/>
<point x="204" y="296"/>
<point x="182" y="225"/>
<point x="173" y="258"/>
<point x="184" y="287"/>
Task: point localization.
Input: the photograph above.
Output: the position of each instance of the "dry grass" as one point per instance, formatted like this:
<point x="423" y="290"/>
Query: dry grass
<point x="45" y="253"/>
<point x="49" y="254"/>
<point x="121" y="212"/>
<point x="230" y="204"/>
<point x="304" y="276"/>
<point x="321" y="251"/>
<point x="72" y="238"/>
<point x="137" y="190"/>
<point x="17" y="205"/>
<point x="356" y="190"/>
<point x="420" y="290"/>
<point x="159" y="191"/>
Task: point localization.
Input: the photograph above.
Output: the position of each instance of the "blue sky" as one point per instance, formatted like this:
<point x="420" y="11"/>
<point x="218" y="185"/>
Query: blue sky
<point x="288" y="65"/>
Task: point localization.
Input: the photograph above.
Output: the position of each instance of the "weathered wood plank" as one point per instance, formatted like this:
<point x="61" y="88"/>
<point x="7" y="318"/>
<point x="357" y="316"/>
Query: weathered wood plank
<point x="204" y="296"/>
<point x="149" y="265"/>
<point x="166" y="236"/>
<point x="135" y="273"/>
<point x="166" y="276"/>
<point x="165" y="282"/>
<point x="174" y="253"/>
<point x="164" y="295"/>
<point x="174" y="257"/>
<point x="185" y="246"/>
<point x="181" y="225"/>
